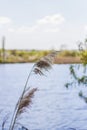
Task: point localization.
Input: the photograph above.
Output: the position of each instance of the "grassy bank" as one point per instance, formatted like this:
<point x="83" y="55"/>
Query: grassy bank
<point x="24" y="56"/>
<point x="21" y="56"/>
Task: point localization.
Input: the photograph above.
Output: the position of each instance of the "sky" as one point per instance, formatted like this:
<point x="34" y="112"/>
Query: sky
<point x="43" y="24"/>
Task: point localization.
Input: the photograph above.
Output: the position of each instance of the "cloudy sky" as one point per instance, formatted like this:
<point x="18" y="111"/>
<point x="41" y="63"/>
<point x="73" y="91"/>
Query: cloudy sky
<point x="43" y="24"/>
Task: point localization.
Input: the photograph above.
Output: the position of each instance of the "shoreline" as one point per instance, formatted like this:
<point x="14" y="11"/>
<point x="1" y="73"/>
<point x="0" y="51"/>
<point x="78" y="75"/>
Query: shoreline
<point x="68" y="60"/>
<point x="32" y="56"/>
<point x="58" y="60"/>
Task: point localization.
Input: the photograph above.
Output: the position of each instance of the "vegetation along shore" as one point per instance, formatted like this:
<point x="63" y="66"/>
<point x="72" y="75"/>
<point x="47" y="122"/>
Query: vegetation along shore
<point x="25" y="56"/>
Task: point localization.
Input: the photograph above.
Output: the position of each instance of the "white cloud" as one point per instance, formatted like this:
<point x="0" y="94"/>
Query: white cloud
<point x="47" y="24"/>
<point x="41" y="35"/>
<point x="22" y="29"/>
<point x="52" y="19"/>
<point x="5" y="20"/>
<point x="68" y="35"/>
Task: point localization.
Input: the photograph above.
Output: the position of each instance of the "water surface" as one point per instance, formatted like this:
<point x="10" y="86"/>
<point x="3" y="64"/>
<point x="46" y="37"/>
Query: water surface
<point x="54" y="107"/>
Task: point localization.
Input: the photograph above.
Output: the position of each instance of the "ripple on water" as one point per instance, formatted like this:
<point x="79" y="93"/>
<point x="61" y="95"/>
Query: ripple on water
<point x="54" y="107"/>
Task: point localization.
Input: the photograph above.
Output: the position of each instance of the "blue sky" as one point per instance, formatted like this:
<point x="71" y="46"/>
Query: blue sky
<point x="43" y="24"/>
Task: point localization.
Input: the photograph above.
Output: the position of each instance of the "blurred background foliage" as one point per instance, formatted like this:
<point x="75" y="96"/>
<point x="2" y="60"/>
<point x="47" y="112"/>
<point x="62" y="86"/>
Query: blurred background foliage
<point x="23" y="56"/>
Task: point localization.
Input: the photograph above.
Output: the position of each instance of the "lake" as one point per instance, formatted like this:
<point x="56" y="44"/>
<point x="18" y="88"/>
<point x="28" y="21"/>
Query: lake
<point x="54" y="107"/>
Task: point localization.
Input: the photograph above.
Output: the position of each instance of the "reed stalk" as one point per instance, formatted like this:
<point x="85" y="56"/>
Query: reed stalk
<point x="13" y="120"/>
<point x="44" y="64"/>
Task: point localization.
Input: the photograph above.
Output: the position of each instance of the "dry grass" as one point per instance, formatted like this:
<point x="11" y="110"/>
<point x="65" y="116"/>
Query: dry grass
<point x="67" y="60"/>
